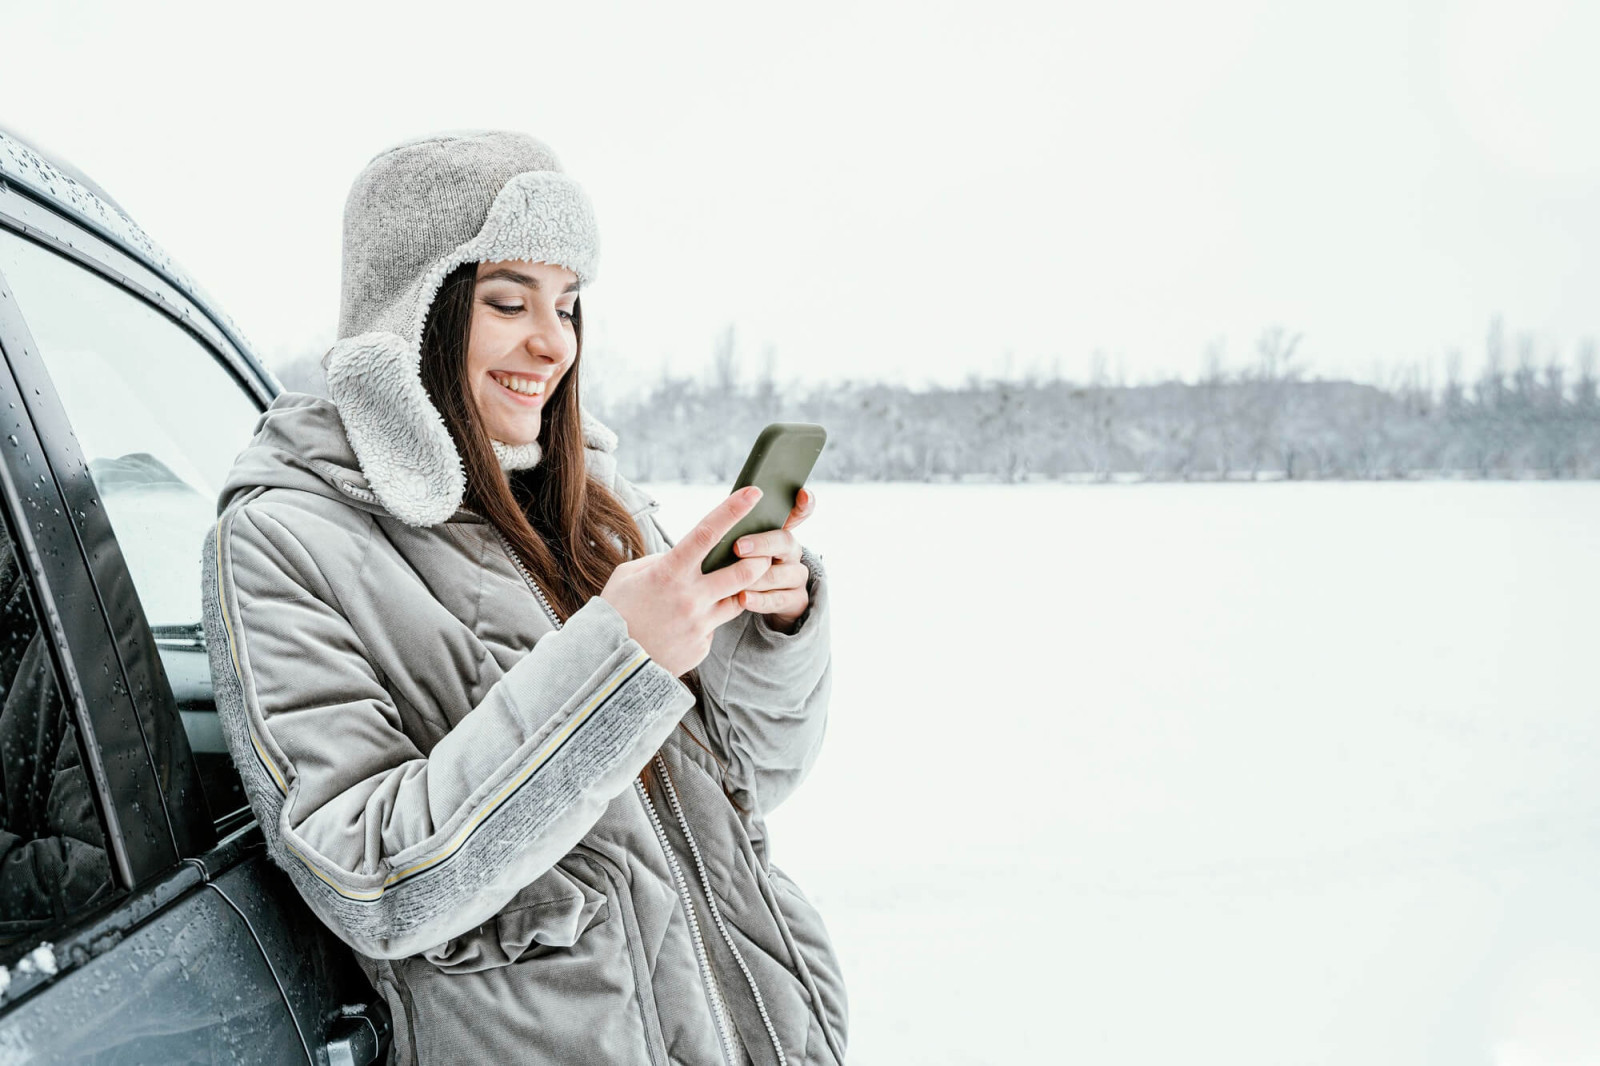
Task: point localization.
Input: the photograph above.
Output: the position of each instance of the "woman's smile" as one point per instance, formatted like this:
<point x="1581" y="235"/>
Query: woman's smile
<point x="524" y="388"/>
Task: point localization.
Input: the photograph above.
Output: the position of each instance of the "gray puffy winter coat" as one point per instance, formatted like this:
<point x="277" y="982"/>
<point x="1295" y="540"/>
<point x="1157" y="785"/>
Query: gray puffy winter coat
<point x="453" y="781"/>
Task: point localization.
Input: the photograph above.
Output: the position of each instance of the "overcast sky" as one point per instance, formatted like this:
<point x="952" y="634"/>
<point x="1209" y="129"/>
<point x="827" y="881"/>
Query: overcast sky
<point x="910" y="192"/>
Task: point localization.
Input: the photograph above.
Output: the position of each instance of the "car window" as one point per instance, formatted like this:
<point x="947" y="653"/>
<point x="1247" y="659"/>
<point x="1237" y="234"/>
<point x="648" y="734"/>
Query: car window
<point x="53" y="861"/>
<point x="159" y="420"/>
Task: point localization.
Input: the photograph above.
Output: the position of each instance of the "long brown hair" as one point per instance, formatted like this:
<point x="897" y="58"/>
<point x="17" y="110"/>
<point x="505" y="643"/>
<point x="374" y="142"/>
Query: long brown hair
<point x="570" y="530"/>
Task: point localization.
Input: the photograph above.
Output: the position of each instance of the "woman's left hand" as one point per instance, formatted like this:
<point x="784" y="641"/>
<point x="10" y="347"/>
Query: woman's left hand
<point x="780" y="593"/>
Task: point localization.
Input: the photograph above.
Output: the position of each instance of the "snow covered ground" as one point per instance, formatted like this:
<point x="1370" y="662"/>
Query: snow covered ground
<point x="1243" y="774"/>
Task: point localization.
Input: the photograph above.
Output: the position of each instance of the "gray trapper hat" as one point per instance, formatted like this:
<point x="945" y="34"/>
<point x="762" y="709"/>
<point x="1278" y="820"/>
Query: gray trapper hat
<point x="417" y="211"/>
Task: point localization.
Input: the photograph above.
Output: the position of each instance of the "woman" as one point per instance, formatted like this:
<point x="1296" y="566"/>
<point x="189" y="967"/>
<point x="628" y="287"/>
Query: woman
<point x="506" y="738"/>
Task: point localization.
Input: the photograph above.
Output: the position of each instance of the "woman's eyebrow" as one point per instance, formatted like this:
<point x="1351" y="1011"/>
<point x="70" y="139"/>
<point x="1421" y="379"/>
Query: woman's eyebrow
<point x="507" y="274"/>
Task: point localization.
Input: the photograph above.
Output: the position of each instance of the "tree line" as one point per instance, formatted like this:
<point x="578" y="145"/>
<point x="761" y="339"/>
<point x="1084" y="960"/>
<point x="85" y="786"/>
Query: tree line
<point x="1516" y="417"/>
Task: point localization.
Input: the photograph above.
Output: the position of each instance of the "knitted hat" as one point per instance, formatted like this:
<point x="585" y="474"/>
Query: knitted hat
<point x="417" y="211"/>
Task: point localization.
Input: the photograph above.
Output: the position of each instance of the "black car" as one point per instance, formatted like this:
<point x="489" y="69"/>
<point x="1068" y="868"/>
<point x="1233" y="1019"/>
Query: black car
<point x="140" y="918"/>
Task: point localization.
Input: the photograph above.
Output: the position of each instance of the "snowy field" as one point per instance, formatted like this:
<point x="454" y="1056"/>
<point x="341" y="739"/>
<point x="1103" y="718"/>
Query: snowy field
<point x="1231" y="774"/>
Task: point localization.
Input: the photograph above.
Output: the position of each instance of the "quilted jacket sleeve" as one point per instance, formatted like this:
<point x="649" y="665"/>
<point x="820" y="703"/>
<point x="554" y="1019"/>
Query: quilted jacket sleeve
<point x="766" y="695"/>
<point x="394" y="850"/>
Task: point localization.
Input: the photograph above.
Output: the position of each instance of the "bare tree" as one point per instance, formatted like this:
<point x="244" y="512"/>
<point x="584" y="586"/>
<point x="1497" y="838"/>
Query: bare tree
<point x="764" y="395"/>
<point x="1268" y="398"/>
<point x="1095" y="419"/>
<point x="1217" y="405"/>
<point x="1454" y="395"/>
<point x="1491" y="382"/>
<point x="1525" y="379"/>
<point x="725" y="363"/>
<point x="1584" y="389"/>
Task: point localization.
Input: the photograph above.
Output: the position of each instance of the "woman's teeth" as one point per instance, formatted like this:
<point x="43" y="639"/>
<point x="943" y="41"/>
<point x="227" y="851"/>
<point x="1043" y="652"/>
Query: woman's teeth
<point x="526" y="386"/>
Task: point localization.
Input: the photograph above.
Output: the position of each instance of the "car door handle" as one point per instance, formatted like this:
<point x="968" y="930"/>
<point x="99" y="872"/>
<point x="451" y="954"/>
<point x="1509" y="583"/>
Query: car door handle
<point x="358" y="1036"/>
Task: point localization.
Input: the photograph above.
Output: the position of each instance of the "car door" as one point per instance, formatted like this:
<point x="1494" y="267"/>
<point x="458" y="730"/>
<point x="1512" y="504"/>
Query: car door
<point x="134" y="404"/>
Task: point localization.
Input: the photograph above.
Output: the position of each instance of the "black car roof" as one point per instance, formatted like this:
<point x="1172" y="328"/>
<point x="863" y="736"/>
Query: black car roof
<point x="73" y="193"/>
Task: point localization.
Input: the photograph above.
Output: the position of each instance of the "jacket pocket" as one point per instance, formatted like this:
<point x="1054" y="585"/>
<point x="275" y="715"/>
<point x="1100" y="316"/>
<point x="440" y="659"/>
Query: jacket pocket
<point x="627" y="919"/>
<point x="548" y="915"/>
<point x="579" y="1002"/>
<point x="816" y="952"/>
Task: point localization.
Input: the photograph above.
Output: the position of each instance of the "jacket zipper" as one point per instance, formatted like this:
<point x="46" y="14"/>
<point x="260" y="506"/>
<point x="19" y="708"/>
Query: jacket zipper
<point x="365" y="495"/>
<point x="528" y="577"/>
<point x="708" y="977"/>
<point x="371" y="497"/>
<point x="716" y="913"/>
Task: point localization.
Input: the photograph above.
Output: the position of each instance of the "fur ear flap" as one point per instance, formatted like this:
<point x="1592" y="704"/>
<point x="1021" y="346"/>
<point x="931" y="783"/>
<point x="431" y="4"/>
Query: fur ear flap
<point x="375" y="381"/>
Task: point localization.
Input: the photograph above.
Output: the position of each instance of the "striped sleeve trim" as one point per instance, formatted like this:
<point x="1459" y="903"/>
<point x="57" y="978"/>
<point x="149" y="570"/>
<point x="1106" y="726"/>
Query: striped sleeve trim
<point x="548" y="795"/>
<point x="619" y="719"/>
<point x="522" y="778"/>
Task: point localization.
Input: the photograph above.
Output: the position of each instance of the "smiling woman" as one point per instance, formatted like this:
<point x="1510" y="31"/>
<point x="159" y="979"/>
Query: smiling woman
<point x="510" y="742"/>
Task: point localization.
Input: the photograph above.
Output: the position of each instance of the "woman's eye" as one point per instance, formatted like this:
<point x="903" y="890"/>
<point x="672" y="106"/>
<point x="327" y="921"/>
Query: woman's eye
<point x="509" y="309"/>
<point x="564" y="314"/>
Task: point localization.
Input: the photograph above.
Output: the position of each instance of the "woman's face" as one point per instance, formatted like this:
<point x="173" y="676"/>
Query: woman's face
<point x="522" y="340"/>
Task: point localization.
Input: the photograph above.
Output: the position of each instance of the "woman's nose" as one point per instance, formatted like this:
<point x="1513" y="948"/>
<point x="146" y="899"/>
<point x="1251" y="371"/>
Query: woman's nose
<point x="546" y="339"/>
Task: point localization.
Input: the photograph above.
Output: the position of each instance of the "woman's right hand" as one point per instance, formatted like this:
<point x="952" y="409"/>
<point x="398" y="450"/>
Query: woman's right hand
<point x="671" y="608"/>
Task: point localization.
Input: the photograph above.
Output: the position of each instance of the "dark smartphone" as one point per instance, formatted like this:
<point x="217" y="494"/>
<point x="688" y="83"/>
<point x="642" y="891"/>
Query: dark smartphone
<point x="780" y="461"/>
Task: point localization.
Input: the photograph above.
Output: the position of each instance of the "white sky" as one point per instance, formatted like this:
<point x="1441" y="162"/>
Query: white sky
<point x="906" y="192"/>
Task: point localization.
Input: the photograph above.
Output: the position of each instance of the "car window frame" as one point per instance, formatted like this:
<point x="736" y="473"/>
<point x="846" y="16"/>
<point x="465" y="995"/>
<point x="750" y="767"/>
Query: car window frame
<point x="136" y="721"/>
<point x="57" y="583"/>
<point x="101" y="252"/>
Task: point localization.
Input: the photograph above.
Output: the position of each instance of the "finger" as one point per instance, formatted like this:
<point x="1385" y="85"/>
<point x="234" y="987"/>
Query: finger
<point x="730" y="579"/>
<point x="805" y="504"/>
<point x="692" y="550"/>
<point x="779" y="543"/>
<point x="781" y="576"/>
<point x="788" y="601"/>
<point x="726" y="610"/>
